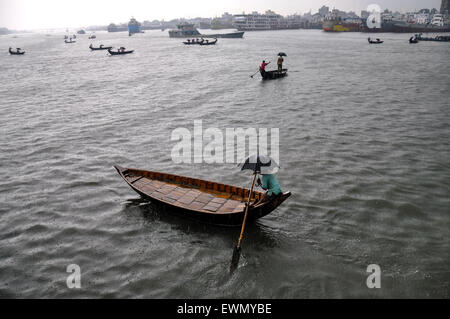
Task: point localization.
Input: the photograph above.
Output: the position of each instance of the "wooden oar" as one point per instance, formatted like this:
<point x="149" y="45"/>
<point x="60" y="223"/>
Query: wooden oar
<point x="254" y="74"/>
<point x="237" y="249"/>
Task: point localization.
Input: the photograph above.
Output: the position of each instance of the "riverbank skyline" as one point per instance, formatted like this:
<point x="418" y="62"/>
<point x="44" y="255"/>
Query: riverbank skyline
<point x="48" y="14"/>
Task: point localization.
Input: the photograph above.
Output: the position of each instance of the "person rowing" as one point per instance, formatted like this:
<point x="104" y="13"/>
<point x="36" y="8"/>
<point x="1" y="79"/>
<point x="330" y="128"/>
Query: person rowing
<point x="262" y="68"/>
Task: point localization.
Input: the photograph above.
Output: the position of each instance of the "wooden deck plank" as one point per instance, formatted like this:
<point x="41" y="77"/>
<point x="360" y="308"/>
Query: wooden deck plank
<point x="195" y="205"/>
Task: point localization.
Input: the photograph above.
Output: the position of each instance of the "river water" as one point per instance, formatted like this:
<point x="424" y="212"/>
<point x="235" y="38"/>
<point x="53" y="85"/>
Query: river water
<point x="364" y="149"/>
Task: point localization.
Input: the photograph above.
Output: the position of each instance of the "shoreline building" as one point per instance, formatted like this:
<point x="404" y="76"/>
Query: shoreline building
<point x="445" y="7"/>
<point x="267" y="21"/>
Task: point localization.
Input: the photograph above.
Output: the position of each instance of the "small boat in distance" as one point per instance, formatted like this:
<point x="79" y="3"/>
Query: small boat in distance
<point x="93" y="36"/>
<point x="200" y="200"/>
<point x="275" y="74"/>
<point x="200" y="42"/>
<point x="377" y="41"/>
<point x="70" y="41"/>
<point x="101" y="47"/>
<point x="206" y="42"/>
<point x="413" y="40"/>
<point x="17" y="52"/>
<point x="120" y="51"/>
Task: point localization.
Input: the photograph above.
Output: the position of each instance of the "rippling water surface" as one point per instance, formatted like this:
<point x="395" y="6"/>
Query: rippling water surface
<point x="364" y="149"/>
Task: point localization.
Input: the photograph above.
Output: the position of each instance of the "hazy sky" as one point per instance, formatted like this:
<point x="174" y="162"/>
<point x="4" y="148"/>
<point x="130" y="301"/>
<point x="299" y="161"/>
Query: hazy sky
<point x="40" y="14"/>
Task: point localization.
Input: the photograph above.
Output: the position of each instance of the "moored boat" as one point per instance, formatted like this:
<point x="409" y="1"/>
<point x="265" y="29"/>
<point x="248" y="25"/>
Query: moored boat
<point x="197" y="199"/>
<point x="275" y="74"/>
<point x="71" y="41"/>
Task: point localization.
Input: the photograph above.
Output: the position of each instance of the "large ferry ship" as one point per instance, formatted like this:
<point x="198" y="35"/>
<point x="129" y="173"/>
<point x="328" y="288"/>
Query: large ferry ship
<point x="260" y="22"/>
<point x="134" y="26"/>
<point x="188" y="30"/>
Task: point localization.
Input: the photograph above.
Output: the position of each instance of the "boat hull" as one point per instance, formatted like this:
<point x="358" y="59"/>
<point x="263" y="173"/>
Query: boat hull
<point x="233" y="35"/>
<point x="170" y="185"/>
<point x="120" y="53"/>
<point x="334" y="26"/>
<point x="397" y="27"/>
<point x="436" y="39"/>
<point x="101" y="48"/>
<point x="272" y="75"/>
<point x="16" y="53"/>
<point x="179" y="34"/>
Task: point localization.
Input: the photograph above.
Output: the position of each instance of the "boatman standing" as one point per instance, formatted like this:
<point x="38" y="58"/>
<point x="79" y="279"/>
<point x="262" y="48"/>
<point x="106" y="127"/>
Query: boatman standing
<point x="262" y="68"/>
<point x="280" y="63"/>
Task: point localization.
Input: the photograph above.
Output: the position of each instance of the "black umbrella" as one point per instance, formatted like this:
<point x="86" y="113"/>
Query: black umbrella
<point x="257" y="164"/>
<point x="260" y="164"/>
<point x="282" y="54"/>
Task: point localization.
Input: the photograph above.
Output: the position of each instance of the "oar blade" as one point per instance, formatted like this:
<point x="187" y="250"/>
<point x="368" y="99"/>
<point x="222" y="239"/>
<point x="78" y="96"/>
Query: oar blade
<point x="235" y="260"/>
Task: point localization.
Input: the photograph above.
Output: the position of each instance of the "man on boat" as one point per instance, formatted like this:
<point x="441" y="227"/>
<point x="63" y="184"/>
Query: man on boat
<point x="262" y="68"/>
<point x="280" y="63"/>
<point x="270" y="184"/>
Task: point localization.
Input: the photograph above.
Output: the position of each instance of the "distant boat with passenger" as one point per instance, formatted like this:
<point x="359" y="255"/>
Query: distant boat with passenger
<point x="200" y="42"/>
<point x="101" y="47"/>
<point x="377" y="41"/>
<point x="17" y="52"/>
<point x="120" y="51"/>
<point x="188" y="30"/>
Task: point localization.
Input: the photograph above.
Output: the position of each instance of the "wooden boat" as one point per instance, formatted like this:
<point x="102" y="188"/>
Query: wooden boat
<point x="208" y="43"/>
<point x="191" y="42"/>
<point x="412" y="40"/>
<point x="101" y="47"/>
<point x="378" y="41"/>
<point x="197" y="199"/>
<point x="275" y="74"/>
<point x="17" y="52"/>
<point x="119" y="52"/>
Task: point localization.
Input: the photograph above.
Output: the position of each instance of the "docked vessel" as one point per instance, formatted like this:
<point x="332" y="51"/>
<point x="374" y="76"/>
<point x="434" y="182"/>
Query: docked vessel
<point x="187" y="30"/>
<point x="261" y="22"/>
<point x="439" y="38"/>
<point x="134" y="26"/>
<point x="334" y="23"/>
<point x="399" y="26"/>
